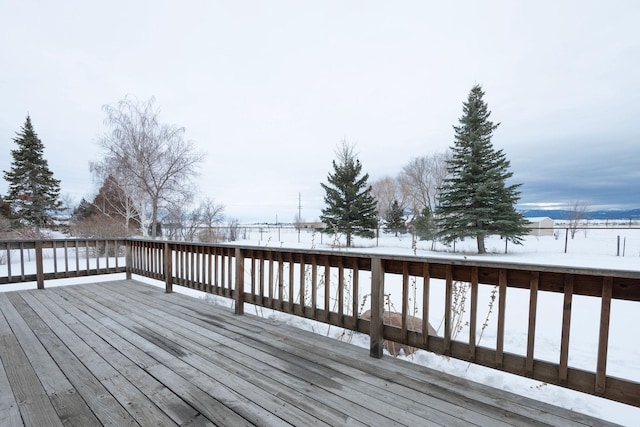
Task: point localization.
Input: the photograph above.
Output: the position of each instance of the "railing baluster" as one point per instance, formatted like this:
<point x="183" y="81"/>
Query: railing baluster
<point x="209" y="262"/>
<point x="314" y="286"/>
<point x="473" y="314"/>
<point x="377" y="308"/>
<point x="291" y="283"/>
<point x="216" y="272"/>
<point x="280" y="281"/>
<point x="239" y="285"/>
<point x="302" y="285"/>
<point x="327" y="288"/>
<point x="116" y="252"/>
<point x="66" y="258"/>
<point x="55" y="258"/>
<point x="168" y="269"/>
<point x="261" y="279"/>
<point x="97" y="257"/>
<point x="9" y="261"/>
<point x="230" y="273"/>
<point x="340" y="291"/>
<point x="447" y="309"/>
<point x="603" y="338"/>
<point x="183" y="263"/>
<point x="39" y="266"/>
<point x="566" y="328"/>
<point x="426" y="282"/>
<point x="22" y="261"/>
<point x="531" y="334"/>
<point x="192" y="267"/>
<point x="271" y="279"/>
<point x="502" y="308"/>
<point x="78" y="259"/>
<point x="405" y="299"/>
<point x="86" y="253"/>
<point x="202" y="275"/>
<point x="253" y="274"/>
<point x="356" y="292"/>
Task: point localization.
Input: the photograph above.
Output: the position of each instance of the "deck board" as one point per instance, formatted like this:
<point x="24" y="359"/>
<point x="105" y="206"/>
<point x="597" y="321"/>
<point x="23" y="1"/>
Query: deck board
<point x="126" y="353"/>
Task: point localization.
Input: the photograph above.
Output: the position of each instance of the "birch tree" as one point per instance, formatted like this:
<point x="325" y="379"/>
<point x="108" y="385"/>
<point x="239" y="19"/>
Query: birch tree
<point x="152" y="161"/>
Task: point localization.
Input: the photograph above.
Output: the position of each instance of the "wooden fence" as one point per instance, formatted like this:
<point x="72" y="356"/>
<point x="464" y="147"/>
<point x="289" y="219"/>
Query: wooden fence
<point x="334" y="287"/>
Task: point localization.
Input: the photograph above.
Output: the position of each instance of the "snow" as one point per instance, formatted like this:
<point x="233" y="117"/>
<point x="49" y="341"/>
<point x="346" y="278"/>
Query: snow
<point x="593" y="249"/>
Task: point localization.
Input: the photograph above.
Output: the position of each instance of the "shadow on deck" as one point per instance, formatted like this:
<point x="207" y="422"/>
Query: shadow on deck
<point x="126" y="353"/>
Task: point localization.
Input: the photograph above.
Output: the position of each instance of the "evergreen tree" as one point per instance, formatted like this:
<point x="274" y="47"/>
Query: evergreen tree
<point x="34" y="194"/>
<point x="424" y="225"/>
<point x="394" y="219"/>
<point x="350" y="206"/>
<point x="475" y="200"/>
<point x="83" y="211"/>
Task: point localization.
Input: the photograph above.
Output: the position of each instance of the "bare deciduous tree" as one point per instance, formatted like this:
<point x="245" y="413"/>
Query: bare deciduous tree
<point x="386" y="190"/>
<point x="421" y="178"/>
<point x="200" y="223"/>
<point x="153" y="162"/>
<point x="211" y="214"/>
<point x="578" y="210"/>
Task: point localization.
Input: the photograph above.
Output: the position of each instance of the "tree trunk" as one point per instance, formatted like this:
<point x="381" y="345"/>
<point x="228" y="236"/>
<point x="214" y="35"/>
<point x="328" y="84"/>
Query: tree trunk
<point x="154" y="220"/>
<point x="481" y="248"/>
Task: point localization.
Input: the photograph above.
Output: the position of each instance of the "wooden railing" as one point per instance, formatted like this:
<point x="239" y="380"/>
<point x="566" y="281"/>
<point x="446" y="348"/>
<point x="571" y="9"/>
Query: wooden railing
<point x="335" y="287"/>
<point x="40" y="260"/>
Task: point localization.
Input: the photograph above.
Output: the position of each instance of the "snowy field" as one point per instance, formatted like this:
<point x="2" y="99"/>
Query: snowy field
<point x="595" y="249"/>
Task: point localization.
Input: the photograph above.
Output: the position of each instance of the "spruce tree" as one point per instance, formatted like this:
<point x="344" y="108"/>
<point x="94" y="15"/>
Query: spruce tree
<point x="83" y="211"/>
<point x="475" y="200"/>
<point x="394" y="219"/>
<point x="350" y="206"/>
<point x="424" y="225"/>
<point x="34" y="194"/>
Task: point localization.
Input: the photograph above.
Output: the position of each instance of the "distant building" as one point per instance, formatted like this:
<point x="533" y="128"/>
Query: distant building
<point x="540" y="226"/>
<point x="317" y="225"/>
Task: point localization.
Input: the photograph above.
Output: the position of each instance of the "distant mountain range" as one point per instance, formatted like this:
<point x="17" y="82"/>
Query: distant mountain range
<point x="592" y="215"/>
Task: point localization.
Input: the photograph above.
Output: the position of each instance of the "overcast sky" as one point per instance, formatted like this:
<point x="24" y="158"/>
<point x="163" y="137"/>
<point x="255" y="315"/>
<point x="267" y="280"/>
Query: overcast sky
<point x="269" y="89"/>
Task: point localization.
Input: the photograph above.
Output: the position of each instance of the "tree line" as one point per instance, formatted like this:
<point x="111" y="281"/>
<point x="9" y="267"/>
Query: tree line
<point x="148" y="170"/>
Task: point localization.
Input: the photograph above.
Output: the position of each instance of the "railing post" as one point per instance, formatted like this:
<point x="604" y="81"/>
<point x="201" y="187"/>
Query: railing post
<point x="39" y="266"/>
<point x="128" y="257"/>
<point x="239" y="299"/>
<point x="168" y="268"/>
<point x="376" y="334"/>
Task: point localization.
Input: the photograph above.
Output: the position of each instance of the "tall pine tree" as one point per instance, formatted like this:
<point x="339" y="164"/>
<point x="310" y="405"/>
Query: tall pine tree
<point x="34" y="194"/>
<point x="350" y="206"/>
<point x="475" y="200"/>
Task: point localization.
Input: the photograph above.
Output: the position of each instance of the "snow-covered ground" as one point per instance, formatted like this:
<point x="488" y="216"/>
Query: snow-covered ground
<point x="596" y="249"/>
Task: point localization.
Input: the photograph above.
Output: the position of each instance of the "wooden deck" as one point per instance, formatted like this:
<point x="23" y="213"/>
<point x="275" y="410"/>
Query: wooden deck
<point x="126" y="353"/>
